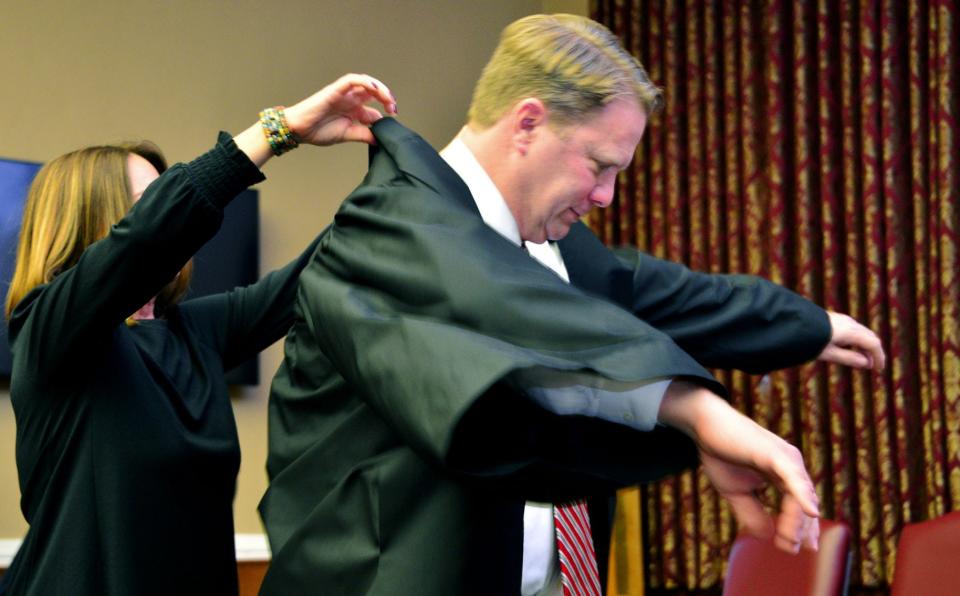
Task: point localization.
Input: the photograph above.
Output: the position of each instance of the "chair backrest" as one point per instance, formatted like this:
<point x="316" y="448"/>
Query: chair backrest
<point x="928" y="558"/>
<point x="757" y="567"/>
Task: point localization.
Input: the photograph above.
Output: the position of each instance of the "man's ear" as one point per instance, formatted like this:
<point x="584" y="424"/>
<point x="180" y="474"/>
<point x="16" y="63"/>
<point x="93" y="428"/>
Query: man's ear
<point x="528" y="116"/>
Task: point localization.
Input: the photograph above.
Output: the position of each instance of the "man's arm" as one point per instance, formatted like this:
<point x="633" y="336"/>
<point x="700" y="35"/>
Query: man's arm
<point x="508" y="443"/>
<point x="724" y="321"/>
<point x="734" y="322"/>
<point x="740" y="457"/>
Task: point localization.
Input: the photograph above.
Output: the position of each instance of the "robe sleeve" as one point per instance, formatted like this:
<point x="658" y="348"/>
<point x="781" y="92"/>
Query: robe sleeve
<point x="423" y="310"/>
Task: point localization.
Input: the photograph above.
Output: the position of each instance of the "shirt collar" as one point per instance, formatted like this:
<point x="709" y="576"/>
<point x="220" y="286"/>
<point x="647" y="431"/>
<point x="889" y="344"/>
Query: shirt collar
<point x="493" y="208"/>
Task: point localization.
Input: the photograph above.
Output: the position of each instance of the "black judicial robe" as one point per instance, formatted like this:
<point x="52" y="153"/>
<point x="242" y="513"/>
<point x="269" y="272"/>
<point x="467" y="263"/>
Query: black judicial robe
<point x="402" y="449"/>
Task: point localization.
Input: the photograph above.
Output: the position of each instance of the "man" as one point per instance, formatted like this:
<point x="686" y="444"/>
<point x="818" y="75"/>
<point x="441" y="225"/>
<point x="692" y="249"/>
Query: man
<point x="447" y="399"/>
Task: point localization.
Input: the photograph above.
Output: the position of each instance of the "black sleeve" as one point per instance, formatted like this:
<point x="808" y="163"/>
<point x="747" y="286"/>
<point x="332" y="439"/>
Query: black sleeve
<point x="541" y="456"/>
<point x="59" y="322"/>
<point x="724" y="321"/>
<point x="244" y="321"/>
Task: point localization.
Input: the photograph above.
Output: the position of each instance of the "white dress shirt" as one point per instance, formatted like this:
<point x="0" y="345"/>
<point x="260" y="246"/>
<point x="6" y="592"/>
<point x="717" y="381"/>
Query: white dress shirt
<point x="561" y="392"/>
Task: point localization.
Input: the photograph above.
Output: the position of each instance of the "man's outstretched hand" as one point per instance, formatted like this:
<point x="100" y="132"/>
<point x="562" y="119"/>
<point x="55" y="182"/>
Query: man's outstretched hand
<point x="740" y="457"/>
<point x="852" y="344"/>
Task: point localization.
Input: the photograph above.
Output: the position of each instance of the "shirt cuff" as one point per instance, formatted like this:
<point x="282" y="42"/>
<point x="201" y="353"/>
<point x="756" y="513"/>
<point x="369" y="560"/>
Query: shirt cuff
<point x="585" y="394"/>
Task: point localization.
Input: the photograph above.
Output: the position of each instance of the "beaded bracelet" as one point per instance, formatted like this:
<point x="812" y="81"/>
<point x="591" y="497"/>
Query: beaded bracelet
<point x="275" y="129"/>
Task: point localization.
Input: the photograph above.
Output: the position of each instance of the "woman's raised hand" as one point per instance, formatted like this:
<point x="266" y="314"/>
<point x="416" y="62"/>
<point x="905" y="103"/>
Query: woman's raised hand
<point x="339" y="112"/>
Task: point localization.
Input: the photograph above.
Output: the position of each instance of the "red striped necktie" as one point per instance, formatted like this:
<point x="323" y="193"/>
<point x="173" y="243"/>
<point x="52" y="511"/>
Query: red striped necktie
<point x="578" y="562"/>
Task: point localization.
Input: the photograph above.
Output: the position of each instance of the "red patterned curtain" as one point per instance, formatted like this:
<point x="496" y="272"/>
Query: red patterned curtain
<point x="814" y="144"/>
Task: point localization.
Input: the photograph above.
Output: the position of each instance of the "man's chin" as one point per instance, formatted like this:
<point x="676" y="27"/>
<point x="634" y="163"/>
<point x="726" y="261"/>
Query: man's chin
<point x="559" y="234"/>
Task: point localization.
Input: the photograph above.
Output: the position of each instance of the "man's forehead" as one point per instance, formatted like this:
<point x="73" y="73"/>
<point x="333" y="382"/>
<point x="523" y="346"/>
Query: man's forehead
<point x="612" y="136"/>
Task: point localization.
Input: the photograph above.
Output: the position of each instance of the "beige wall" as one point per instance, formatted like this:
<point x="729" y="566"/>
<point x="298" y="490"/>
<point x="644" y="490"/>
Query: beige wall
<point x="78" y="73"/>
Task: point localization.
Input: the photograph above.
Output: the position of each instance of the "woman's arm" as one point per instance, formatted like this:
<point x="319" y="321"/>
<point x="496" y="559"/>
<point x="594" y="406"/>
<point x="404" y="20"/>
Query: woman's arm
<point x="176" y="215"/>
<point x="66" y="320"/>
<point x="246" y="320"/>
<point x="243" y="321"/>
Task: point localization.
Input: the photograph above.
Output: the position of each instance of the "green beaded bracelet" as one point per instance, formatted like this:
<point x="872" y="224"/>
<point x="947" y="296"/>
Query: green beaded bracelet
<point x="275" y="129"/>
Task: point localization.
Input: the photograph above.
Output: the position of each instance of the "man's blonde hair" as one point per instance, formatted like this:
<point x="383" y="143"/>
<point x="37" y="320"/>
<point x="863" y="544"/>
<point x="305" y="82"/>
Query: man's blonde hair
<point x="72" y="203"/>
<point x="572" y="64"/>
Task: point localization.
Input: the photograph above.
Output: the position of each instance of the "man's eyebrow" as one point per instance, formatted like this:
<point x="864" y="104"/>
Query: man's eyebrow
<point x="610" y="162"/>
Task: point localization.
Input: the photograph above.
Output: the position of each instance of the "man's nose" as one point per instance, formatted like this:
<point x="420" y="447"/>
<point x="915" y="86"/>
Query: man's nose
<point x="602" y="194"/>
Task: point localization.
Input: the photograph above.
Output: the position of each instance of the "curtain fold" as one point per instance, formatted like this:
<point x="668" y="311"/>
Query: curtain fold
<point x="814" y="144"/>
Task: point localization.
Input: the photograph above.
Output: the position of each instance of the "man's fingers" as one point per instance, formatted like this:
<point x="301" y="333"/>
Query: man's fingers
<point x="787" y="470"/>
<point x="813" y="535"/>
<point x="853" y="344"/>
<point x="846" y="357"/>
<point x="879" y="358"/>
<point x="750" y="515"/>
<point x="802" y="492"/>
<point x="795" y="528"/>
<point x="867" y="342"/>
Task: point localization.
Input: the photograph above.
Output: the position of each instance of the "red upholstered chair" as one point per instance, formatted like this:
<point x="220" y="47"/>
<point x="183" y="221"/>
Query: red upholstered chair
<point x="928" y="558"/>
<point x="757" y="567"/>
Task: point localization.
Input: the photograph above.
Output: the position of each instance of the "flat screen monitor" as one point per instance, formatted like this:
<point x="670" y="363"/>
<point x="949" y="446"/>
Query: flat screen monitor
<point x="230" y="259"/>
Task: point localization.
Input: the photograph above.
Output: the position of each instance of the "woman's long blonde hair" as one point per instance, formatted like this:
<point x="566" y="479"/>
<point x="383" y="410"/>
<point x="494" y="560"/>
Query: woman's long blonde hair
<point x="72" y="203"/>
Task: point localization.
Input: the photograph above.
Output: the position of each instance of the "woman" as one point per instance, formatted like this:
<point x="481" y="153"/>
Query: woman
<point x="127" y="449"/>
